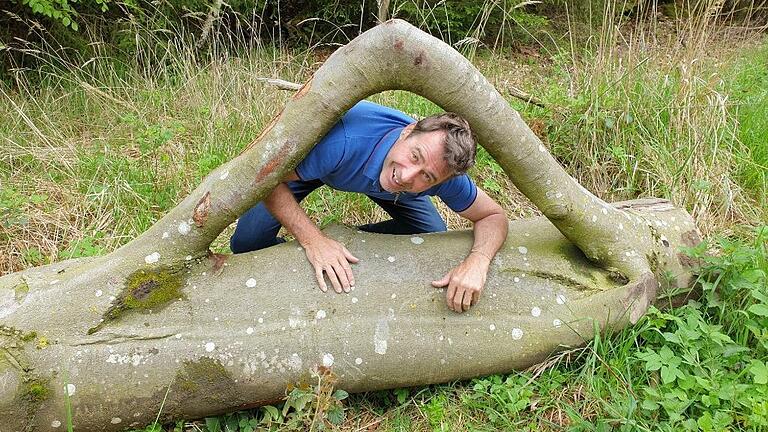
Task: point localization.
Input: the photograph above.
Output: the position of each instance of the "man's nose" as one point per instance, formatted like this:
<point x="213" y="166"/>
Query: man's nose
<point x="409" y="174"/>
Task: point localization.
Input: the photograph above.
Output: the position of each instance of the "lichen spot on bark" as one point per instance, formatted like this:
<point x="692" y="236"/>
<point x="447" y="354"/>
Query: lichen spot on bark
<point x="398" y="45"/>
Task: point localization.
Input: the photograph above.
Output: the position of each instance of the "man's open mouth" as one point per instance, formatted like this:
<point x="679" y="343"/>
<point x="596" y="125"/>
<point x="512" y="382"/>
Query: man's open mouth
<point x="394" y="179"/>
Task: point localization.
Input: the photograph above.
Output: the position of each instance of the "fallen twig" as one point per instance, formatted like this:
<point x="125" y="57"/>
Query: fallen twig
<point x="510" y="89"/>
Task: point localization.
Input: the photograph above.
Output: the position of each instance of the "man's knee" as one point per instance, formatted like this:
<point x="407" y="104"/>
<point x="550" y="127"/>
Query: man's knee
<point x="435" y="224"/>
<point x="240" y="243"/>
<point x="255" y="230"/>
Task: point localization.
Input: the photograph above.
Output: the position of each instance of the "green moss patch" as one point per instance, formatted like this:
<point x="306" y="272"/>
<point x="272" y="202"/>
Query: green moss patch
<point x="37" y="390"/>
<point x="151" y="289"/>
<point x="204" y="385"/>
<point x="32" y="389"/>
<point x="205" y="372"/>
<point x="145" y="290"/>
<point x="16" y="335"/>
<point x="20" y="291"/>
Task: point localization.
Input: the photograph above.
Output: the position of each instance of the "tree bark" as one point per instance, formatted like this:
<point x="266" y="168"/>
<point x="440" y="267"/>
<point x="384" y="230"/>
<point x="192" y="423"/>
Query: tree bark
<point x="238" y="333"/>
<point x="220" y="333"/>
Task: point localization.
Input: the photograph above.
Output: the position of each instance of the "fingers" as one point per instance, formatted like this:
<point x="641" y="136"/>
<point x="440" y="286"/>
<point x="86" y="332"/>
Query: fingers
<point x="349" y="277"/>
<point x="351" y="258"/>
<point x="441" y="283"/>
<point x="475" y="297"/>
<point x="320" y="278"/>
<point x="450" y="295"/>
<point x="459" y="300"/>
<point x="332" y="260"/>
<point x="333" y="277"/>
<point x="466" y="301"/>
<point x="339" y="275"/>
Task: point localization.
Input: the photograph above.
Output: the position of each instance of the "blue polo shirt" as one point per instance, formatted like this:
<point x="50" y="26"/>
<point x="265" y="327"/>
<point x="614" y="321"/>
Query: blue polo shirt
<point x="350" y="157"/>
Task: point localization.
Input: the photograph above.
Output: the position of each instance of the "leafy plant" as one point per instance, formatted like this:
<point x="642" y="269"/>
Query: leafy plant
<point x="706" y="361"/>
<point x="63" y="11"/>
<point x="85" y="247"/>
<point x="306" y="407"/>
<point x="499" y="397"/>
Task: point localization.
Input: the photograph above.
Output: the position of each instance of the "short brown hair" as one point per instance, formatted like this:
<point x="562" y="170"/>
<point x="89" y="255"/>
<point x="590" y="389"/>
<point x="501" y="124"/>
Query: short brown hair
<point x="459" y="144"/>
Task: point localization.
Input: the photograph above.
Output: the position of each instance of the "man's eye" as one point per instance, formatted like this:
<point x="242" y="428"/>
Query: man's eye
<point x="427" y="178"/>
<point x="414" y="157"/>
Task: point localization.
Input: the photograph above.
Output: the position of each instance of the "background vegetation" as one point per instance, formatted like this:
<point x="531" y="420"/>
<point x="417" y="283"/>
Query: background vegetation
<point x="111" y="112"/>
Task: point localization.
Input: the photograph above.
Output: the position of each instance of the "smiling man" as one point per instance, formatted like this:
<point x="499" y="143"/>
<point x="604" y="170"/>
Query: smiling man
<point x="399" y="164"/>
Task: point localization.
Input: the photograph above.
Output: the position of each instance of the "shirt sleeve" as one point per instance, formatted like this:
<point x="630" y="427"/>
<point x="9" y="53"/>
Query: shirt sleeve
<point x="458" y="193"/>
<point x="323" y="159"/>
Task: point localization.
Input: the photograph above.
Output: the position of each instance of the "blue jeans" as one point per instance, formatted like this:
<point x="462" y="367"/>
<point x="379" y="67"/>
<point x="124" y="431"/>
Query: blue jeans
<point x="257" y="229"/>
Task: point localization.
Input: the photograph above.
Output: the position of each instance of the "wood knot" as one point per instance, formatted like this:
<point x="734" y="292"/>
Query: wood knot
<point x="200" y="214"/>
<point x="419" y="59"/>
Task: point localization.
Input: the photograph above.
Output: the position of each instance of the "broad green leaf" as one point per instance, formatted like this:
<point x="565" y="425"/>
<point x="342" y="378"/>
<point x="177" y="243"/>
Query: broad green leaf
<point x="668" y="374"/>
<point x="760" y="372"/>
<point x="705" y="422"/>
<point x="666" y="354"/>
<point x="722" y="420"/>
<point x="231" y="424"/>
<point x="270" y="414"/>
<point x="649" y="405"/>
<point x="212" y="424"/>
<point x="335" y="414"/>
<point x="340" y="394"/>
<point x="402" y="394"/>
<point x="672" y="337"/>
<point x="759" y="309"/>
<point x="753" y="275"/>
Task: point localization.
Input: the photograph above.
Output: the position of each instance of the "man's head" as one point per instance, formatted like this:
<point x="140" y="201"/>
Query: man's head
<point x="427" y="153"/>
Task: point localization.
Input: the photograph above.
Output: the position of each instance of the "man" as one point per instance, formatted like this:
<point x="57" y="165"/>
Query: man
<point x="398" y="163"/>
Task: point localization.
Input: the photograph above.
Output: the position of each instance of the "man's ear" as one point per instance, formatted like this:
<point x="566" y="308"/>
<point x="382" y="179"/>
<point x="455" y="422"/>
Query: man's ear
<point x="407" y="131"/>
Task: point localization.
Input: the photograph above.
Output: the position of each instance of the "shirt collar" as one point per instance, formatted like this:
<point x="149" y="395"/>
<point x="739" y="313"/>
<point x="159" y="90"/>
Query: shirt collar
<point x="375" y="163"/>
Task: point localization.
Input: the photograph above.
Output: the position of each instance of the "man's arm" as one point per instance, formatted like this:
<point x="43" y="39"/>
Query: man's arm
<point x="325" y="254"/>
<point x="466" y="281"/>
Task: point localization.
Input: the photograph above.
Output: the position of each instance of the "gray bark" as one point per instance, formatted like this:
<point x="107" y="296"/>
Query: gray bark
<point x="226" y="343"/>
<point x="161" y="315"/>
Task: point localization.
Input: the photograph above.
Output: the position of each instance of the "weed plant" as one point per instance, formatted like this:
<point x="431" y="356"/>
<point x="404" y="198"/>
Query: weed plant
<point x="94" y="151"/>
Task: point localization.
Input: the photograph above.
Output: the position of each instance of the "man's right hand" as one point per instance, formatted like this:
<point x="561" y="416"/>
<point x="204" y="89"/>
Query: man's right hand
<point x="332" y="258"/>
<point x="325" y="254"/>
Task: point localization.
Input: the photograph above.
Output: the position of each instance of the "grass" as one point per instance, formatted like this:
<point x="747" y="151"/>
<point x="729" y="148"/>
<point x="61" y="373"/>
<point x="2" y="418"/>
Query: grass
<point x="93" y="153"/>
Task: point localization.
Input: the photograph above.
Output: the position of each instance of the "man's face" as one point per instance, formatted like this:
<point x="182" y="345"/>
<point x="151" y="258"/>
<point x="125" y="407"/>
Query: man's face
<point x="414" y="163"/>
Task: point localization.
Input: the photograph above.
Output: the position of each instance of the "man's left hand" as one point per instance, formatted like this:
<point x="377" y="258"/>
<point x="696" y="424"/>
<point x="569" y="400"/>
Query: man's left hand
<point x="465" y="282"/>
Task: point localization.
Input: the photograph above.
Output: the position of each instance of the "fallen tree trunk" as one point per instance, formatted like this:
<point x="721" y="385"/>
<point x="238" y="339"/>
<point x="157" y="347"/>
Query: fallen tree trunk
<point x="163" y="315"/>
<point x="236" y="333"/>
